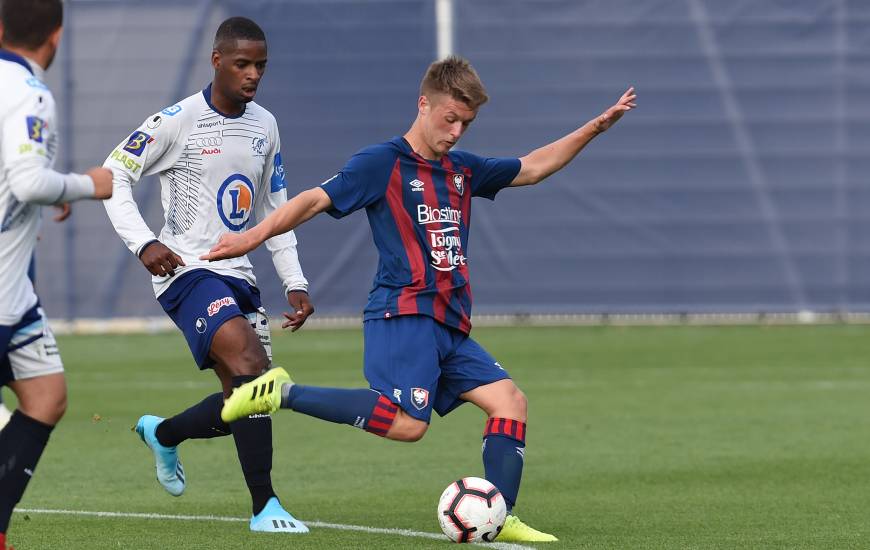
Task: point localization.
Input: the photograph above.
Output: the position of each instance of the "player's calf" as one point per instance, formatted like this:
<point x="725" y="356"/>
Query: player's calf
<point x="407" y="428"/>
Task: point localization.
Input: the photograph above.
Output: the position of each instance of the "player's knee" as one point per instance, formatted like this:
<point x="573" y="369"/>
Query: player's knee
<point x="48" y="405"/>
<point x="407" y="429"/>
<point x="520" y="404"/>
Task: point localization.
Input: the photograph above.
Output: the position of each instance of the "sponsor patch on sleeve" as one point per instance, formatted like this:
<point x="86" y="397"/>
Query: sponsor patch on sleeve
<point x="278" y="181"/>
<point x="36" y="129"/>
<point x="172" y="111"/>
<point x="137" y="142"/>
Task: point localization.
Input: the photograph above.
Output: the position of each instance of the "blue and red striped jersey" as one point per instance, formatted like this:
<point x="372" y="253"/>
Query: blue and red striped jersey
<point x="419" y="211"/>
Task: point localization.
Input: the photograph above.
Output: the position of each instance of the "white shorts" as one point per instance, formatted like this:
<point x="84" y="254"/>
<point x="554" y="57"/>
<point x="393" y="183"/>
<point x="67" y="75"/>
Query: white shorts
<point x="28" y="348"/>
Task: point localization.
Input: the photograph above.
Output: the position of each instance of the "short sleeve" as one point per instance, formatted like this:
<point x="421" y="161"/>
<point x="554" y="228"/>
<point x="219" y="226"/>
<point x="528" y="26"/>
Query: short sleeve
<point x="489" y="175"/>
<point x="362" y="182"/>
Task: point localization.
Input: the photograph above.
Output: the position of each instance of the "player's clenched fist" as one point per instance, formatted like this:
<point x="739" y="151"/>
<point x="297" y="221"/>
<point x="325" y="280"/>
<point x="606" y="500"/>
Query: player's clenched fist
<point x="102" y="182"/>
<point x="160" y="260"/>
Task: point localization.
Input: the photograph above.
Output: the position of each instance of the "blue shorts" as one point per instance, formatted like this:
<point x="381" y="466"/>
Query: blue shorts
<point x="421" y="364"/>
<point x="200" y="301"/>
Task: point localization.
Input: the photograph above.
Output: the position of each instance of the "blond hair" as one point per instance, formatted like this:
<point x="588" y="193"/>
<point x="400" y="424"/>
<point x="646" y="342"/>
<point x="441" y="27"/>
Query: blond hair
<point x="455" y="77"/>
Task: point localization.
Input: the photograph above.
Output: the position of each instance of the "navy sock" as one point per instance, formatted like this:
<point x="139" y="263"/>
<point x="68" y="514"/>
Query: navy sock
<point x="21" y="444"/>
<point x="201" y="421"/>
<point x="362" y="408"/>
<point x="253" y="437"/>
<point x="504" y="445"/>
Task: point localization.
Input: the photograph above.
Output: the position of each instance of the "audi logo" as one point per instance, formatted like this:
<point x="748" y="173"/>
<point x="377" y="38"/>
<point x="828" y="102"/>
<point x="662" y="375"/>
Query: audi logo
<point x="209" y="141"/>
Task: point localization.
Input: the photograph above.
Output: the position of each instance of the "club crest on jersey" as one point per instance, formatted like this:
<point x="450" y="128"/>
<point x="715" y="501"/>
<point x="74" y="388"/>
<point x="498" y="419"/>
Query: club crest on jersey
<point x="137" y="142"/>
<point x="259" y="146"/>
<point x="416" y="185"/>
<point x="459" y="183"/>
<point x="36" y="128"/>
<point x="419" y="398"/>
<point x="235" y="198"/>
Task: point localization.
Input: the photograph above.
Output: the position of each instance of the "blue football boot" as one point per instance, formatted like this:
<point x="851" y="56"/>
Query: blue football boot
<point x="273" y="518"/>
<point x="170" y="473"/>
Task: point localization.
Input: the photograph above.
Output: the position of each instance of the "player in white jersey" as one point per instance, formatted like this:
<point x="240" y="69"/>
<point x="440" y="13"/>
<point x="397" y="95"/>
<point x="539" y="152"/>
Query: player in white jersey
<point x="29" y="361"/>
<point x="218" y="157"/>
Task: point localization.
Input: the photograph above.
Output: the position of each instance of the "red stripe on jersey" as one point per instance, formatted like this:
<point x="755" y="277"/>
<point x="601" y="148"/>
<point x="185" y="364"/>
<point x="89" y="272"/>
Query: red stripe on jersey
<point x="408" y="296"/>
<point x="521" y="431"/>
<point x="461" y="202"/>
<point x="443" y="279"/>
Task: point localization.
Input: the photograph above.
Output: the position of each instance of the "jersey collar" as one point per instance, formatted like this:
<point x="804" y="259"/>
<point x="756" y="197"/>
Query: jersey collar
<point x="6" y="55"/>
<point x="206" y="94"/>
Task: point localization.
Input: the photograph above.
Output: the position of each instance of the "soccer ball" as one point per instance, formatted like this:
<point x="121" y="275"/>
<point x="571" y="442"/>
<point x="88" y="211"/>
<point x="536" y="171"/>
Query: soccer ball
<point x="471" y="510"/>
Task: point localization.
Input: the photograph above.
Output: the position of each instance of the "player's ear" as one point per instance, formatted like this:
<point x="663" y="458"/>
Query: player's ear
<point x="215" y="59"/>
<point x="423" y="105"/>
<point x="54" y="38"/>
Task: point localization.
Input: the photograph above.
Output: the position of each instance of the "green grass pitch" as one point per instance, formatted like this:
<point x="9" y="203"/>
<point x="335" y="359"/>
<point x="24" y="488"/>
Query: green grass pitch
<point x="656" y="437"/>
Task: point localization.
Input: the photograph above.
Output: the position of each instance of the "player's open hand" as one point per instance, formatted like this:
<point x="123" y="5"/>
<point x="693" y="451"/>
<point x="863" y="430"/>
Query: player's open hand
<point x="609" y="117"/>
<point x="302" y="308"/>
<point x="230" y="245"/>
<point x="160" y="260"/>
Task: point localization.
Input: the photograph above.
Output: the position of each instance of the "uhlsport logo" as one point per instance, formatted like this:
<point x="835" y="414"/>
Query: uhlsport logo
<point x="216" y="306"/>
<point x="459" y="183"/>
<point x="420" y="398"/>
<point x="235" y="199"/>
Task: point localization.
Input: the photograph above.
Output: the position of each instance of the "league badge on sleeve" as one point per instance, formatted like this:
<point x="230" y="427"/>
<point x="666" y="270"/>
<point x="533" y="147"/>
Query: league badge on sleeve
<point x="36" y="129"/>
<point x="459" y="183"/>
<point x="137" y="142"/>
<point x="278" y="182"/>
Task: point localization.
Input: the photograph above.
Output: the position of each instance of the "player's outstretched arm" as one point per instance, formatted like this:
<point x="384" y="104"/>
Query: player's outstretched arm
<point x="290" y="215"/>
<point x="542" y="162"/>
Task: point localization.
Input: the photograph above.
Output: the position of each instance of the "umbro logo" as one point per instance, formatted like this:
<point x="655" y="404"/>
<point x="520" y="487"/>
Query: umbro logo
<point x="416" y="185"/>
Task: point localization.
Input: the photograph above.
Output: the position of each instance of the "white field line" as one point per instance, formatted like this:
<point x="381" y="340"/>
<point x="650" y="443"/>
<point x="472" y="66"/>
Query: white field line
<point x="324" y="525"/>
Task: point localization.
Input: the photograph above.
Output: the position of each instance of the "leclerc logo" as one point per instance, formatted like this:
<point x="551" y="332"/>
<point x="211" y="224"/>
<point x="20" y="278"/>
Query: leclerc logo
<point x="235" y="198"/>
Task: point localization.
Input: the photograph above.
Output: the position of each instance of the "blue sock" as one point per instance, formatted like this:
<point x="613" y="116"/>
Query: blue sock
<point x="504" y="445"/>
<point x="361" y="408"/>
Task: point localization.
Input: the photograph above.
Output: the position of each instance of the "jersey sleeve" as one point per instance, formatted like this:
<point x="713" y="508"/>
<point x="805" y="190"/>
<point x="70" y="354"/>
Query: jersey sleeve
<point x="362" y="181"/>
<point x="29" y="142"/>
<point x="143" y="153"/>
<point x="283" y="246"/>
<point x="489" y="175"/>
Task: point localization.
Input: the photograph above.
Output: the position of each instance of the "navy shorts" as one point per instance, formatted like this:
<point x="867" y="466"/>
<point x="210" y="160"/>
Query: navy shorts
<point x="200" y="301"/>
<point x="421" y="364"/>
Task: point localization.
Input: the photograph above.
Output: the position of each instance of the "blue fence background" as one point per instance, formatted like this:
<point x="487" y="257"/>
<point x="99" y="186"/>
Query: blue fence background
<point x="737" y="186"/>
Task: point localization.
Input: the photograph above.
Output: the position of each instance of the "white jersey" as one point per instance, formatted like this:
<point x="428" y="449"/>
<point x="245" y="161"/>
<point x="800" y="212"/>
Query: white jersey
<point x="217" y="173"/>
<point x="28" y="144"/>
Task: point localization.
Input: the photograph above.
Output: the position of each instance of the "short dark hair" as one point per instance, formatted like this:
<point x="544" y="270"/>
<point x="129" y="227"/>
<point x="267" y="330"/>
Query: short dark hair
<point x="237" y="28"/>
<point x="455" y="77"/>
<point x="28" y="23"/>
